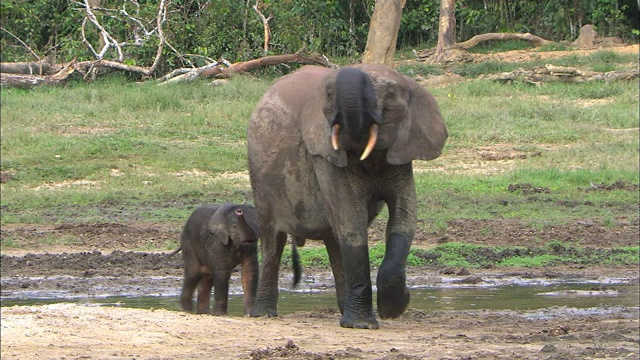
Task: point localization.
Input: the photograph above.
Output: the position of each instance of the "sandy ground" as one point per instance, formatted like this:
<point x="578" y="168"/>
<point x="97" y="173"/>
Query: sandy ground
<point x="67" y="331"/>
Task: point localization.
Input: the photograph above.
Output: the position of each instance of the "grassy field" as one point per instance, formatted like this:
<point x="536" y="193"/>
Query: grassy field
<point x="115" y="151"/>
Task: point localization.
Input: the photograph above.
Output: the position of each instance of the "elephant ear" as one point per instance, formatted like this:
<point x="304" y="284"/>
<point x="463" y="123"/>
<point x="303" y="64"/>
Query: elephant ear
<point x="316" y="131"/>
<point x="217" y="224"/>
<point x="422" y="133"/>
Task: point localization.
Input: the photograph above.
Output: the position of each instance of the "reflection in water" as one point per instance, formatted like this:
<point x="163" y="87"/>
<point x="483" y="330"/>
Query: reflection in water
<point x="508" y="297"/>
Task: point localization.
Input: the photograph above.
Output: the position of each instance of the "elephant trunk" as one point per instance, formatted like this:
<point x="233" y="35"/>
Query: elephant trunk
<point x="249" y="235"/>
<point x="357" y="112"/>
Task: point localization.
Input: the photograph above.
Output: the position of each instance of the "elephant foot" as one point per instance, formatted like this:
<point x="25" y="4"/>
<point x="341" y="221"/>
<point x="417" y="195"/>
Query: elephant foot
<point x="263" y="311"/>
<point x="359" y="322"/>
<point x="392" y="302"/>
<point x="186" y="304"/>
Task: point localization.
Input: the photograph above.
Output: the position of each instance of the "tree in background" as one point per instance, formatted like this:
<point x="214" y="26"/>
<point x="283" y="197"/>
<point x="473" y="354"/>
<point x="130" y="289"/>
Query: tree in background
<point x="383" y="32"/>
<point x="447" y="29"/>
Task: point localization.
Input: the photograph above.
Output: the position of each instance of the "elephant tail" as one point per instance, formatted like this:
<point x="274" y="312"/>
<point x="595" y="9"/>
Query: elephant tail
<point x="295" y="260"/>
<point x="175" y="251"/>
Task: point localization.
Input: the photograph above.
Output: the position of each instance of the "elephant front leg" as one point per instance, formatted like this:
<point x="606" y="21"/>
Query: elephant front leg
<point x="221" y="293"/>
<point x="393" y="294"/>
<point x="358" y="308"/>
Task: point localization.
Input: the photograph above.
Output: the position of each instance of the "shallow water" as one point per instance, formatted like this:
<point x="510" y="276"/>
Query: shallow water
<point x="531" y="294"/>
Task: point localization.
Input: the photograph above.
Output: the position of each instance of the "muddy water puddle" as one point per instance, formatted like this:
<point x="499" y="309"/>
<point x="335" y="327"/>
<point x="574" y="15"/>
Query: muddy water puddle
<point x="442" y="294"/>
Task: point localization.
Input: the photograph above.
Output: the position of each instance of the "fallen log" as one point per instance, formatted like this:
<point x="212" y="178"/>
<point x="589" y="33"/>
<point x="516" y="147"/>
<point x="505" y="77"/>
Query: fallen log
<point x="299" y="58"/>
<point x="457" y="51"/>
<point x="536" y="40"/>
<point x="27" y="68"/>
<point x="218" y="70"/>
<point x="26" y="81"/>
<point x="222" y="69"/>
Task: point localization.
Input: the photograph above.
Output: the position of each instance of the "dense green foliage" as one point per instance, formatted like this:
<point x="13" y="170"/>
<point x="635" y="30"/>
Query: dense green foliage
<point x="338" y="28"/>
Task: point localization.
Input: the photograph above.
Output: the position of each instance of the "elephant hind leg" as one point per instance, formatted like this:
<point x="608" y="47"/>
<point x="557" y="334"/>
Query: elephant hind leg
<point x="266" y="302"/>
<point x="204" y="293"/>
<point x="333" y="250"/>
<point x="188" y="288"/>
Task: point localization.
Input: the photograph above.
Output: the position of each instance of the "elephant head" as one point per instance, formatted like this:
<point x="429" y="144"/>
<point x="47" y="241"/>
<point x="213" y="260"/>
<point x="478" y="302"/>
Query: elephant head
<point x="235" y="223"/>
<point x="371" y="107"/>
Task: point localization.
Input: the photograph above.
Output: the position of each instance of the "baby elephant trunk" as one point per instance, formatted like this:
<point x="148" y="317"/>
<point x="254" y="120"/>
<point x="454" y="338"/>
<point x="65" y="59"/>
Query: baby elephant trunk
<point x="248" y="235"/>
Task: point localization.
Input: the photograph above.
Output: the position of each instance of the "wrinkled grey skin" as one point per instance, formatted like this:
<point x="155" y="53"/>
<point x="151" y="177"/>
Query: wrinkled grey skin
<point x="303" y="187"/>
<point x="216" y="239"/>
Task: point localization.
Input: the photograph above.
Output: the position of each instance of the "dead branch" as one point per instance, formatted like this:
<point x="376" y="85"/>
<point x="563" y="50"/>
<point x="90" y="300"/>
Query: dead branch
<point x="89" y="67"/>
<point x="536" y="40"/>
<point x="456" y="52"/>
<point x="108" y="40"/>
<point x="265" y="24"/>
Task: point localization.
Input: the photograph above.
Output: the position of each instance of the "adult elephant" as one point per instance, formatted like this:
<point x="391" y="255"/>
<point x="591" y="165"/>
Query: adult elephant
<point x="327" y="149"/>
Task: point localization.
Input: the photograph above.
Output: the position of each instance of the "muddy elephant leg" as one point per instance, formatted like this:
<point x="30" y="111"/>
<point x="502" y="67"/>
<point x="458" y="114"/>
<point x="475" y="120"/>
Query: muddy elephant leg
<point x="189" y="284"/>
<point x="358" y="308"/>
<point x="204" y="294"/>
<point x="221" y="293"/>
<point x="393" y="294"/>
<point x="272" y="246"/>
<point x="249" y="282"/>
<point x="333" y="250"/>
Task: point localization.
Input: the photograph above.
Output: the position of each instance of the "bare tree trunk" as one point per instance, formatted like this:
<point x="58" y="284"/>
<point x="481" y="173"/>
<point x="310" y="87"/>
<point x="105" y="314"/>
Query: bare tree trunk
<point x="383" y="32"/>
<point x="446" y="29"/>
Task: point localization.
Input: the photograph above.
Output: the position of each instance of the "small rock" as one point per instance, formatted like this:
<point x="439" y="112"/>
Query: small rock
<point x="548" y="348"/>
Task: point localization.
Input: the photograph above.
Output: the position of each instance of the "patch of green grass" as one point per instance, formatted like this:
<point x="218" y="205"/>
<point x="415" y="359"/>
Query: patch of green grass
<point x="52" y="239"/>
<point x="310" y="257"/>
<point x="422" y="69"/>
<point x="500" y="46"/>
<point x="554" y="47"/>
<point x="532" y="261"/>
<point x="460" y="255"/>
<point x="554" y="253"/>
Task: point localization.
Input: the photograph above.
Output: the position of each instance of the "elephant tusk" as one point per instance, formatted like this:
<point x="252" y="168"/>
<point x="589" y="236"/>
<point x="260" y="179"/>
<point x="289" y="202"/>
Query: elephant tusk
<point x="373" y="137"/>
<point x="335" y="129"/>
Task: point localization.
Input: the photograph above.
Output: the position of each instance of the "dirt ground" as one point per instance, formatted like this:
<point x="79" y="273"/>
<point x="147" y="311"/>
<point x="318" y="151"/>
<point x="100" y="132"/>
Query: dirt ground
<point x="112" y="251"/>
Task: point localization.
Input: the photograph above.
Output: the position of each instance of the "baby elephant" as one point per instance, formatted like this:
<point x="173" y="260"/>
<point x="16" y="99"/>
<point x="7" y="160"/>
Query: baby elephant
<point x="215" y="239"/>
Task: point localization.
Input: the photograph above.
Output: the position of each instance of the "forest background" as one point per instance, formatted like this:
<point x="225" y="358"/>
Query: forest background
<point x="202" y="31"/>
